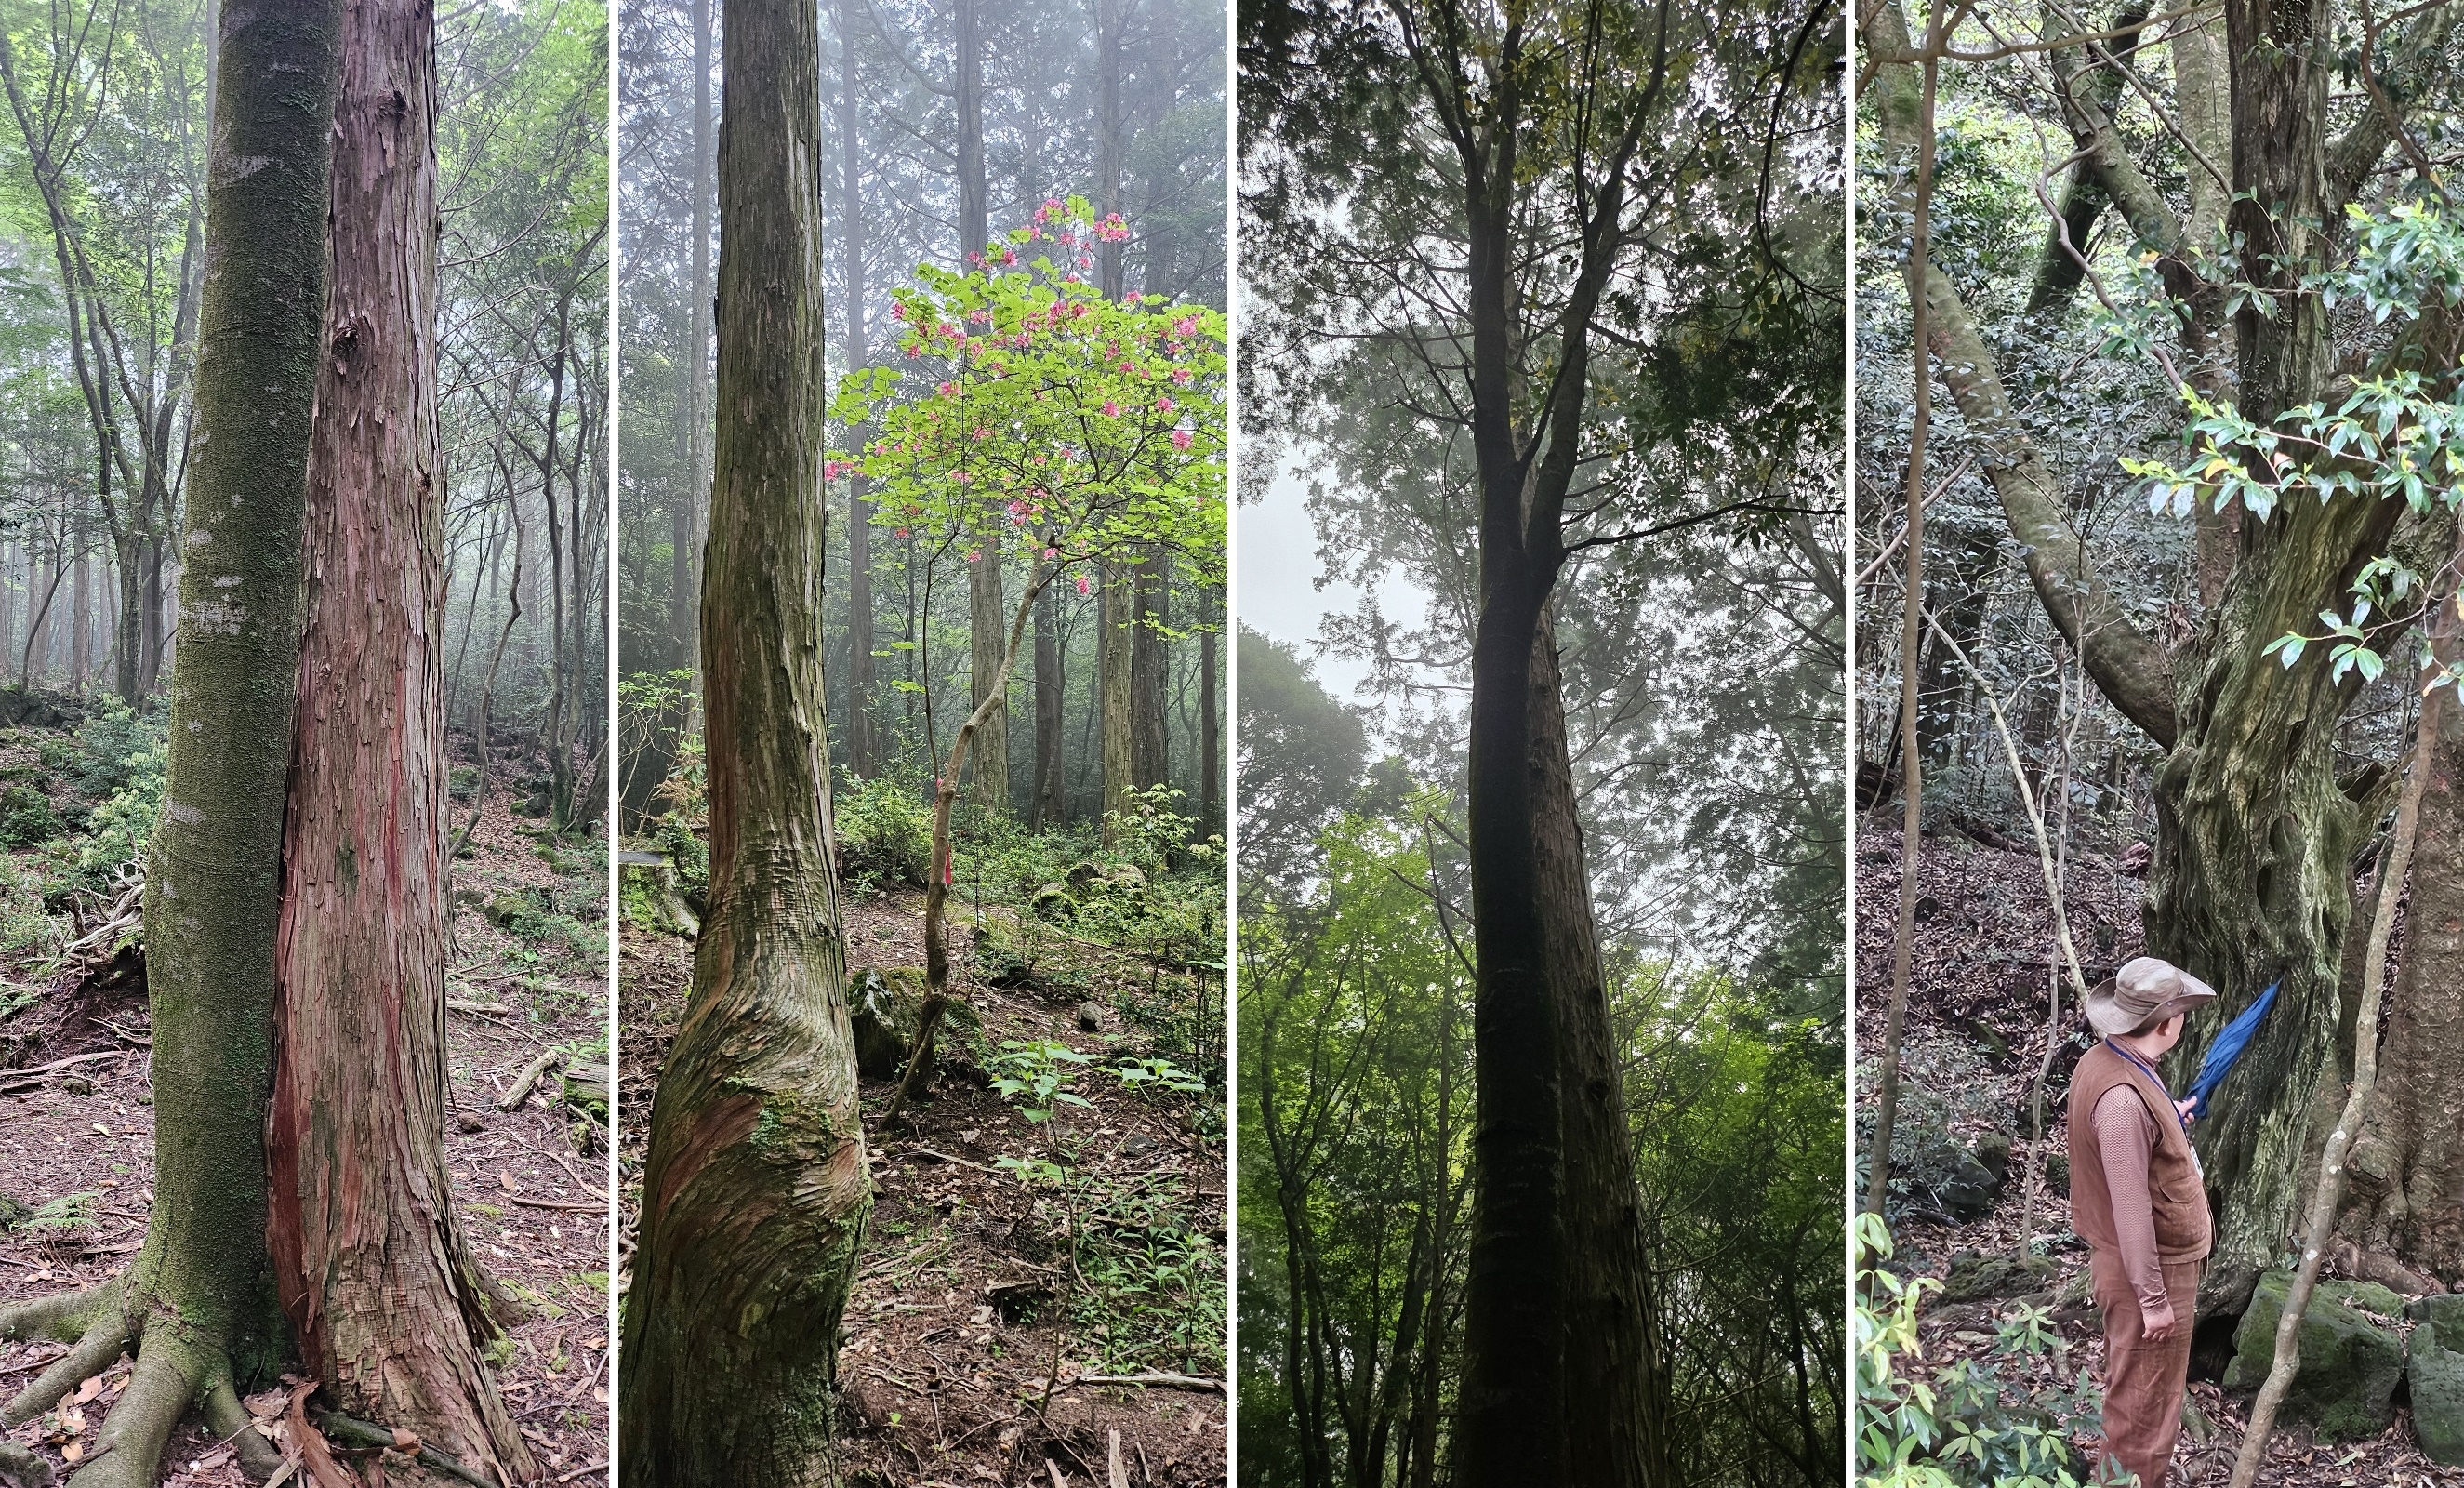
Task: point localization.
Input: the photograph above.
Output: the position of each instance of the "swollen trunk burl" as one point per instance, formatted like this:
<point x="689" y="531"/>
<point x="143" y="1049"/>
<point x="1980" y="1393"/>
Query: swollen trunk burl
<point x="372" y="1267"/>
<point x="756" y="1191"/>
<point x="197" y="1301"/>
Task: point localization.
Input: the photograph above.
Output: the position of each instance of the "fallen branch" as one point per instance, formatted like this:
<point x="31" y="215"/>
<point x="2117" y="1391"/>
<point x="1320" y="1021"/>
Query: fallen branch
<point x="584" y="1209"/>
<point x="921" y="1151"/>
<point x="1154" y="1379"/>
<point x="530" y="1077"/>
<point x="352" y="1431"/>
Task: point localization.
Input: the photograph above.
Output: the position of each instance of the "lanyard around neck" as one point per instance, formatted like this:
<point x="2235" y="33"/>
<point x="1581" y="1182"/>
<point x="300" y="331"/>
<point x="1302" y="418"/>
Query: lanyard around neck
<point x="2149" y="1070"/>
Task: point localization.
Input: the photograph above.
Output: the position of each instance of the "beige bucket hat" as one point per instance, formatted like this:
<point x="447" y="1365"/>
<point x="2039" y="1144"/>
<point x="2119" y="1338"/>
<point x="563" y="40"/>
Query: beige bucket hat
<point x="2142" y="993"/>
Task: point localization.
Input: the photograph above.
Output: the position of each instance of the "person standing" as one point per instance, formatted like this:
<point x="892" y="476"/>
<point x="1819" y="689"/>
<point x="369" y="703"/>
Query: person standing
<point x="2138" y="1199"/>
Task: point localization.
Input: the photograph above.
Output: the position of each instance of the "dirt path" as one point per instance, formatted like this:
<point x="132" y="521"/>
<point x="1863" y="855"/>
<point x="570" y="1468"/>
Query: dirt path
<point x="81" y="1141"/>
<point x="974" y="1325"/>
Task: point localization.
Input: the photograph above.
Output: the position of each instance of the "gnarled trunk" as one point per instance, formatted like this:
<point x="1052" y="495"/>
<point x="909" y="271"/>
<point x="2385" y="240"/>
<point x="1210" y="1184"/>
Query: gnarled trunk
<point x="756" y="1192"/>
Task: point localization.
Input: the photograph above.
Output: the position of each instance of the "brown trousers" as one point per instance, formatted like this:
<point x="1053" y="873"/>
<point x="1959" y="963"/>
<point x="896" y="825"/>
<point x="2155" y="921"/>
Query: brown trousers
<point x="2142" y="1381"/>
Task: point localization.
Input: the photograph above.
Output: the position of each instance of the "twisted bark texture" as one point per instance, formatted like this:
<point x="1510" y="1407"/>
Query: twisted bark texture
<point x="755" y="1190"/>
<point x="371" y="1266"/>
<point x="197" y="1303"/>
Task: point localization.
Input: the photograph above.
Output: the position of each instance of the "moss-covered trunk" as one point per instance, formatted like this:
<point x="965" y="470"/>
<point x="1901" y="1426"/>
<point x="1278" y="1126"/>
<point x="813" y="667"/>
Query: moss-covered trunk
<point x="197" y="1303"/>
<point x="371" y="1266"/>
<point x="756" y="1191"/>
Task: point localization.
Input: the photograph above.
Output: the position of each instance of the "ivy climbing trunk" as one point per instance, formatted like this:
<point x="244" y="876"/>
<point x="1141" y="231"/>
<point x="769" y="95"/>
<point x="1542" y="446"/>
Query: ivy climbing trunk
<point x="756" y="1191"/>
<point x="372" y="1268"/>
<point x="197" y="1302"/>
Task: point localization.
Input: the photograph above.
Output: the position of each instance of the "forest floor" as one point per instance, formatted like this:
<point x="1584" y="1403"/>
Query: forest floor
<point x="975" y="1334"/>
<point x="77" y="1138"/>
<point x="1973" y="1040"/>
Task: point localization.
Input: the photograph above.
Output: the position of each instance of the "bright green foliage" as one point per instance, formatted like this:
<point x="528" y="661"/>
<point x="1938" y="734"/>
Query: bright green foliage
<point x="1966" y="1428"/>
<point x="1030" y="418"/>
<point x="885" y="833"/>
<point x="1036" y="1074"/>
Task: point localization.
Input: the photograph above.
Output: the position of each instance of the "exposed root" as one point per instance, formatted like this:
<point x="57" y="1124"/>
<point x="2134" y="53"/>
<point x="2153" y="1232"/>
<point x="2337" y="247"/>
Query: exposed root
<point x="62" y="1316"/>
<point x="171" y="1372"/>
<point x="20" y="1468"/>
<point x="107" y="1336"/>
<point x="227" y="1418"/>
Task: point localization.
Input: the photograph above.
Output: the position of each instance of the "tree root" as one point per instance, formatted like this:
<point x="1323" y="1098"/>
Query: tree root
<point x="107" y="1336"/>
<point x="353" y="1432"/>
<point x="174" y="1370"/>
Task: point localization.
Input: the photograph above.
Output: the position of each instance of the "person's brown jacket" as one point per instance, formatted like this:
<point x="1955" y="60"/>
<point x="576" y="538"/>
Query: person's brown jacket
<point x="2176" y="1198"/>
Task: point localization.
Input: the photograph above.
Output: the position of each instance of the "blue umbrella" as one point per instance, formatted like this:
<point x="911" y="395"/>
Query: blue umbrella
<point x="2227" y="1051"/>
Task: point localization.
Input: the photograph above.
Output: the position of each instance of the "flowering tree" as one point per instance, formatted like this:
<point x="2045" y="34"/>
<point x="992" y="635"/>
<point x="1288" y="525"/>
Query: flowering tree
<point x="1032" y="420"/>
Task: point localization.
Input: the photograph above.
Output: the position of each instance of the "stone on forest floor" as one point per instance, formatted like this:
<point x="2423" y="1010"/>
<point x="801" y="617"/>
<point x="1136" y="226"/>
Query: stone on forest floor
<point x="1090" y="1018"/>
<point x="2351" y="1354"/>
<point x="1969" y="1191"/>
<point x="882" y="1010"/>
<point x="1053" y="902"/>
<point x="1976" y="1279"/>
<point x="2437" y="1374"/>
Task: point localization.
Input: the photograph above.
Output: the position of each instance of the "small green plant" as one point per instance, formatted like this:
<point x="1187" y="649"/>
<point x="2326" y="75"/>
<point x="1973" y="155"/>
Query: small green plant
<point x="113" y="747"/>
<point x="71" y="1213"/>
<point x="1035" y="1074"/>
<point x="116" y="834"/>
<point x="1967" y="1427"/>
<point x="25" y="816"/>
<point x="1157" y="1073"/>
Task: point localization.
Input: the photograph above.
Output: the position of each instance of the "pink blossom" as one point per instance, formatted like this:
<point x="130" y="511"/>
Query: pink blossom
<point x="1081" y="584"/>
<point x="1186" y="325"/>
<point x="1009" y="257"/>
<point x="1112" y="409"/>
<point x="1180" y="375"/>
<point x="974" y="553"/>
<point x="949" y="389"/>
<point x="1052" y="553"/>
<point x="958" y="475"/>
<point x="1131" y="297"/>
<point x="902" y="532"/>
<point x="1165" y="405"/>
<point x="1180" y="438"/>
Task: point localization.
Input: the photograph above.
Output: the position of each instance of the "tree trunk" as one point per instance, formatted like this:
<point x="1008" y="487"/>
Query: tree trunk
<point x="1111" y="260"/>
<point x="80" y="618"/>
<point x="864" y="749"/>
<point x="1150" y="746"/>
<point x="1114" y="613"/>
<point x="372" y="1267"/>
<point x="988" y="751"/>
<point x="1615" y="1398"/>
<point x="757" y="1189"/>
<point x="1210" y="744"/>
<point x="1051" y="798"/>
<point x="692" y="415"/>
<point x="196" y="1301"/>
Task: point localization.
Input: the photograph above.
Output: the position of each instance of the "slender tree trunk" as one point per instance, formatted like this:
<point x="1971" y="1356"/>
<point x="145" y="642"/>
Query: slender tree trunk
<point x="1111" y="263"/>
<point x="862" y="729"/>
<point x="987" y="608"/>
<point x="757" y="1185"/>
<point x="1115" y="615"/>
<point x="1210" y="741"/>
<point x="372" y="1267"/>
<point x="1052" y="793"/>
<point x="8" y="600"/>
<point x="82" y="618"/>
<point x="693" y="416"/>
<point x="1150" y="746"/>
<point x="196" y="1301"/>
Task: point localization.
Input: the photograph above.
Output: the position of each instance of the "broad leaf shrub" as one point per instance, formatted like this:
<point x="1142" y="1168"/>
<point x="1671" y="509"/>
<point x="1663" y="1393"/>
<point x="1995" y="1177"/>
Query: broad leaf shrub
<point x="1965" y="1426"/>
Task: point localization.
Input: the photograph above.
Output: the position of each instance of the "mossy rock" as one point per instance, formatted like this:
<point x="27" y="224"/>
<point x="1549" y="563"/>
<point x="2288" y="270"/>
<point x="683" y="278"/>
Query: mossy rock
<point x="646" y="887"/>
<point x="506" y="910"/>
<point x="1084" y="876"/>
<point x="2351" y="1354"/>
<point x="25" y="816"/>
<point x="882" y="1010"/>
<point x="1053" y="902"/>
<point x="1979" y="1278"/>
<point x="2435" y="1373"/>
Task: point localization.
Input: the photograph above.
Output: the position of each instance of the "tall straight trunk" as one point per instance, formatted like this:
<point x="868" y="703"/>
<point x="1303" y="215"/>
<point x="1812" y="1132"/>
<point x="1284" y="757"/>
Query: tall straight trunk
<point x="1150" y="746"/>
<point x="862" y="729"/>
<point x="1051" y="795"/>
<point x="80" y="619"/>
<point x="1110" y="128"/>
<point x="1210" y="741"/>
<point x="196" y="1301"/>
<point x="757" y="1182"/>
<point x="692" y="415"/>
<point x="372" y="1267"/>
<point x="158" y="636"/>
<point x="1116" y="610"/>
<point x="8" y="600"/>
<point x="988" y="668"/>
<point x="987" y="607"/>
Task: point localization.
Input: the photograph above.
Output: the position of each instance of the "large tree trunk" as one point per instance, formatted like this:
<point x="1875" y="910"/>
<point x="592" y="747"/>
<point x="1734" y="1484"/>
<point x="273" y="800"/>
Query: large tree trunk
<point x="1615" y="1408"/>
<point x="373" y="1269"/>
<point x="755" y="1190"/>
<point x="197" y="1299"/>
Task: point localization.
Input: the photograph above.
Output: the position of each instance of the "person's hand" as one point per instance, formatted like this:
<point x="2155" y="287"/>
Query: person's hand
<point x="2189" y="1110"/>
<point x="2156" y="1324"/>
